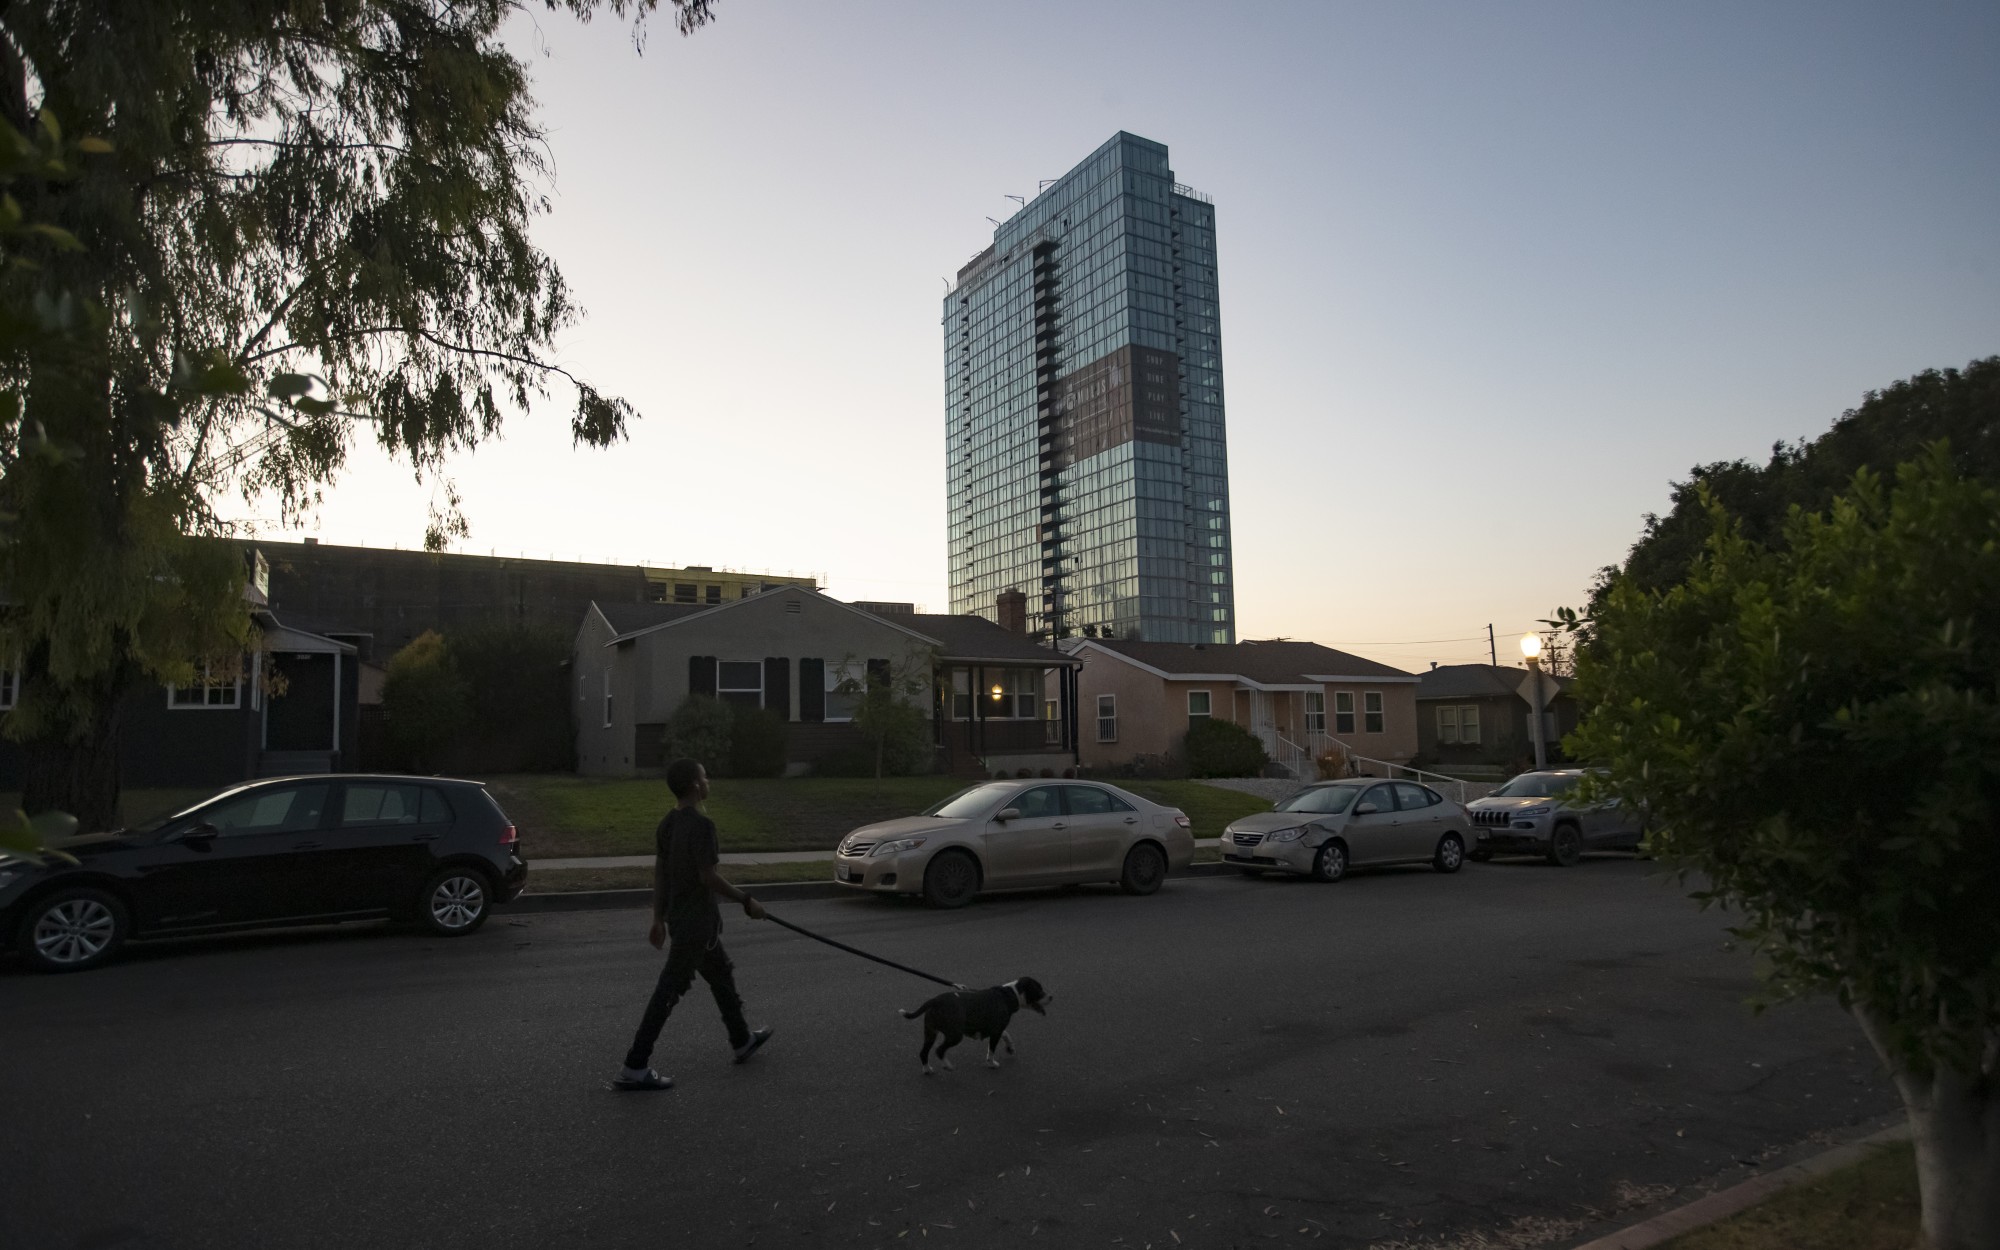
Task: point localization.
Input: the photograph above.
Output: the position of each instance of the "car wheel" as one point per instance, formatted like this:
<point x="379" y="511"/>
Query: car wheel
<point x="1331" y="862"/>
<point x="1145" y="869"/>
<point x="73" y="930"/>
<point x="1566" y="846"/>
<point x="1450" y="853"/>
<point x="951" y="880"/>
<point x="455" y="901"/>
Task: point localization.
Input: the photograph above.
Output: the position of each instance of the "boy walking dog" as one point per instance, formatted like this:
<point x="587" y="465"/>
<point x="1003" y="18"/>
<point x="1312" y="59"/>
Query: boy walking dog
<point x="685" y="887"/>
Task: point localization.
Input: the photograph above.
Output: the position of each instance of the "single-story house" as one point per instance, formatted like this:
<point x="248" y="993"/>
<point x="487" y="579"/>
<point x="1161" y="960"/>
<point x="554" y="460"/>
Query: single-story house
<point x="1137" y="700"/>
<point x="800" y="653"/>
<point x="290" y="710"/>
<point x="1475" y="714"/>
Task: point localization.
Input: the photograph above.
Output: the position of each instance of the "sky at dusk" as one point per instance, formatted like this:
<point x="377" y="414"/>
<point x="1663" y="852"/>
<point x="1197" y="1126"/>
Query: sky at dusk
<point x="1491" y="276"/>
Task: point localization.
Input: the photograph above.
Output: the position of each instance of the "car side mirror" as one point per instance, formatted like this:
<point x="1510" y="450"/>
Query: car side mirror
<point x="1366" y="809"/>
<point x="201" y="836"/>
<point x="1006" y="814"/>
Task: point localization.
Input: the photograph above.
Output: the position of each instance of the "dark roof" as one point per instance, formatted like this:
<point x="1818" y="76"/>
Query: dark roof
<point x="1475" y="681"/>
<point x="1276" y="663"/>
<point x="323" y="626"/>
<point x="968" y="637"/>
<point x="629" y="618"/>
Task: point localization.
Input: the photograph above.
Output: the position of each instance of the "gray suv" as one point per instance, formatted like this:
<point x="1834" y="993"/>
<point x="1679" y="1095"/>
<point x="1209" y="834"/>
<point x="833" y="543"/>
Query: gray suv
<point x="1532" y="815"/>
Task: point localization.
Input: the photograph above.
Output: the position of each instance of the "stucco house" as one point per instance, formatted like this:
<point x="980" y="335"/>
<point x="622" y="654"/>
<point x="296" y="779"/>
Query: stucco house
<point x="997" y="701"/>
<point x="1474" y="715"/>
<point x="1137" y="699"/>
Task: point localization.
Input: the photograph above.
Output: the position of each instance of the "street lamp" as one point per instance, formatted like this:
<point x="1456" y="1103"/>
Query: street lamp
<point x="1531" y="648"/>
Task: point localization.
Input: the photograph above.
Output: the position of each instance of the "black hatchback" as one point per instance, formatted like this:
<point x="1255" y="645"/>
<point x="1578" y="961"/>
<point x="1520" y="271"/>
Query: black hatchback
<point x="287" y="850"/>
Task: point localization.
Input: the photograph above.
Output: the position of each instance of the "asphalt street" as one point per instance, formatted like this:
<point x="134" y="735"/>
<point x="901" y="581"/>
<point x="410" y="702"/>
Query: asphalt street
<point x="1401" y="1057"/>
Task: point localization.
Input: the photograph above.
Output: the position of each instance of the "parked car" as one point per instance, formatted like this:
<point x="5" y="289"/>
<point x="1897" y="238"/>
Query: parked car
<point x="1009" y="835"/>
<point x="289" y="849"/>
<point x="1532" y="814"/>
<point x="1325" y="829"/>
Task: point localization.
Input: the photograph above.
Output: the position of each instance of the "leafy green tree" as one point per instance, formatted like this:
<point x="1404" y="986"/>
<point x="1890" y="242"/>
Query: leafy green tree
<point x="294" y="220"/>
<point x="1814" y="725"/>
<point x="1223" y="748"/>
<point x="517" y="678"/>
<point x="700" y="729"/>
<point x="892" y="710"/>
<point x="426" y="706"/>
<point x="1890" y="427"/>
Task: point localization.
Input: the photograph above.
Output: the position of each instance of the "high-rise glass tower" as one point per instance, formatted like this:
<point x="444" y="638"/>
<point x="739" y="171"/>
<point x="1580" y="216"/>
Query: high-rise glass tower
<point x="1083" y="374"/>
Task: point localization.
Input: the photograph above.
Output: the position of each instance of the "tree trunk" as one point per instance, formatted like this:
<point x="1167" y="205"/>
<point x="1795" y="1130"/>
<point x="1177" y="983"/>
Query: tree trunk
<point x="1955" y="1126"/>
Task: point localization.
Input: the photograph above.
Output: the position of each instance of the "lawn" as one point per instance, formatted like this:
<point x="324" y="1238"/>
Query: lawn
<point x="561" y="814"/>
<point x="1870" y="1206"/>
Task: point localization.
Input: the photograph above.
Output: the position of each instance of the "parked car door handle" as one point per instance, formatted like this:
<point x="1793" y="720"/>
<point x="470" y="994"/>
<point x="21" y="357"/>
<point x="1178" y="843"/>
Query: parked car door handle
<point x="425" y="837"/>
<point x="1059" y="825"/>
<point x="1131" y="820"/>
<point x="307" y="846"/>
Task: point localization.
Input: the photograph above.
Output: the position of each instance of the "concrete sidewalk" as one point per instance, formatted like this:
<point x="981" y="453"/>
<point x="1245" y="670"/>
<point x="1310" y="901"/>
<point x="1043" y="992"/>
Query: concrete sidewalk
<point x="737" y="857"/>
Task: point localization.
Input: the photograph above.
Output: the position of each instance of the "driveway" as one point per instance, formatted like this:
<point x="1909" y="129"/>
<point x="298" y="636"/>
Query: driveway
<point x="1231" y="1062"/>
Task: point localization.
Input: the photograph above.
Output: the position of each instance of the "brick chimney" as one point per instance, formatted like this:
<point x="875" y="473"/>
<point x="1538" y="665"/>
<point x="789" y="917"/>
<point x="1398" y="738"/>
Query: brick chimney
<point x="1012" y="611"/>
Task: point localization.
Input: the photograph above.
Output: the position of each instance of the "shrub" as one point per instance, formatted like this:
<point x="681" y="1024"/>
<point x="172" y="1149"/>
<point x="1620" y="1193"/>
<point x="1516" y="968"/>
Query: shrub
<point x="517" y="680"/>
<point x="699" y="730"/>
<point x="424" y="703"/>
<point x="757" y="741"/>
<point x="1222" y="748"/>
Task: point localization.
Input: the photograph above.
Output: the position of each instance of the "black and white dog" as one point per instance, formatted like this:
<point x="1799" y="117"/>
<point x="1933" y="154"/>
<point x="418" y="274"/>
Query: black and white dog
<point x="976" y="1013"/>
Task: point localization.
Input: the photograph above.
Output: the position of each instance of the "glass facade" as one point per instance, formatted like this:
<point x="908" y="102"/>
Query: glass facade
<point x="1084" y="438"/>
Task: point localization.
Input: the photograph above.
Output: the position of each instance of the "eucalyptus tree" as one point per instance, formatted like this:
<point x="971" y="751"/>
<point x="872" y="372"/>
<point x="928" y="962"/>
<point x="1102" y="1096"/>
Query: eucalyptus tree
<point x="286" y="221"/>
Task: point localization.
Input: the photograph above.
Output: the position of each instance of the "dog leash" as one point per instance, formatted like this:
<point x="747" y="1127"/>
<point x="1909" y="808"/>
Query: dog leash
<point x="853" y="951"/>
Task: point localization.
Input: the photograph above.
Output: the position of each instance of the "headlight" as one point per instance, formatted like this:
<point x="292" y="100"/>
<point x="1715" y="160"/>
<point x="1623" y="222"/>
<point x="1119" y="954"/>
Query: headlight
<point x="1286" y="835"/>
<point x="9" y="876"/>
<point x="900" y="844"/>
<point x="1535" y="811"/>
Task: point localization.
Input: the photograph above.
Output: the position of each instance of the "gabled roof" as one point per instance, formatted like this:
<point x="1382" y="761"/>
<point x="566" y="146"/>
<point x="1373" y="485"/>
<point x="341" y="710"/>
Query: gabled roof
<point x="1475" y="681"/>
<point x="1266" y="664"/>
<point x="965" y="637"/>
<point x="630" y="618"/>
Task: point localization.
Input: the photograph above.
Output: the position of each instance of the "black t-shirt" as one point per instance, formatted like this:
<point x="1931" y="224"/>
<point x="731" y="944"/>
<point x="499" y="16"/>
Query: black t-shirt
<point x="686" y="844"/>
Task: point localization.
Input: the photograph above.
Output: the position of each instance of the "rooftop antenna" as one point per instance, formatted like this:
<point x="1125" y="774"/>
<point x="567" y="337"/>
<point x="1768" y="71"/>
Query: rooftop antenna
<point x="994" y="220"/>
<point x="1045" y="184"/>
<point x="1018" y="199"/>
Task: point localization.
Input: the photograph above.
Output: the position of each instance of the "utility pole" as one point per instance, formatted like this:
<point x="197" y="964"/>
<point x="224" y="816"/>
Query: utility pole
<point x="1492" y="656"/>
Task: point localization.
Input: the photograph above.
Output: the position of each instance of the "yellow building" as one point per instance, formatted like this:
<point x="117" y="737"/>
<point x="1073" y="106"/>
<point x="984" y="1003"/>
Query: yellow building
<point x="698" y="583"/>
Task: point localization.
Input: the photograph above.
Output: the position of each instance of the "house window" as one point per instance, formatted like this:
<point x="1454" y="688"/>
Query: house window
<point x="1198" y="704"/>
<point x="740" y="682"/>
<point x="607" y="698"/>
<point x="209" y="689"/>
<point x="846" y="683"/>
<point x="684" y="592"/>
<point x="1458" y="723"/>
<point x="1343" y="711"/>
<point x="1019" y="692"/>
<point x="1107" y="718"/>
<point x="1315" y="711"/>
<point x="10" y="688"/>
<point x="713" y="593"/>
<point x="961" y="694"/>
<point x="656" y="592"/>
<point x="1371" y="711"/>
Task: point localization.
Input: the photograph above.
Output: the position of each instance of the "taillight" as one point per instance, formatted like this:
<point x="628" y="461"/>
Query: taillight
<point x="509" y="836"/>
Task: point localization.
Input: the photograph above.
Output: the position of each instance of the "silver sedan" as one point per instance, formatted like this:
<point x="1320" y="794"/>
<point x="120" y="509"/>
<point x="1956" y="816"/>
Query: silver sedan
<point x="1010" y="835"/>
<point x="1325" y="829"/>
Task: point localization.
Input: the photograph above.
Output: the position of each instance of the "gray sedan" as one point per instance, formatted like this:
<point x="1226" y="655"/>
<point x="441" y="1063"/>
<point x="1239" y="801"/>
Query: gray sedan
<point x="1324" y="829"/>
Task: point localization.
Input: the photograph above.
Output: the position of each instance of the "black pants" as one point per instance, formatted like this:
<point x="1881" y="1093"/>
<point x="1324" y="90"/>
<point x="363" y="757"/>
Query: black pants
<point x="685" y="958"/>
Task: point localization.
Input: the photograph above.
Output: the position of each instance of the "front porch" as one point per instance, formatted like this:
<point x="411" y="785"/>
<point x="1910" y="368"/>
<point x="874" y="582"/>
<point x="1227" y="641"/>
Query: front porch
<point x="993" y="718"/>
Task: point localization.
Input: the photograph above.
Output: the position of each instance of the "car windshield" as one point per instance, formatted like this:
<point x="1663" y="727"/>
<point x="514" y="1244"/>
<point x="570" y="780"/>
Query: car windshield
<point x="1536" y="786"/>
<point x="1319" y="800"/>
<point x="161" y="818"/>
<point x="971" y="801"/>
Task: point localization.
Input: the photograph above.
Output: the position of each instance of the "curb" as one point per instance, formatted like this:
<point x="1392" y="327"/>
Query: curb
<point x="774" y="892"/>
<point x="1725" y="1203"/>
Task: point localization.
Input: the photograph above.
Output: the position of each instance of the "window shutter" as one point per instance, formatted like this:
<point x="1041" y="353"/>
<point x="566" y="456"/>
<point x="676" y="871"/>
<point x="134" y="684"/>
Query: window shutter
<point x="701" y="675"/>
<point x="778" y="685"/>
<point x="812" y="691"/>
<point x="878" y="674"/>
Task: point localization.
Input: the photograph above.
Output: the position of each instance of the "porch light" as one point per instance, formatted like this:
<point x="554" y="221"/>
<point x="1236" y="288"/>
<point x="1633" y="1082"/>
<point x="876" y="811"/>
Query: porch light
<point x="1531" y="646"/>
<point x="997" y="691"/>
